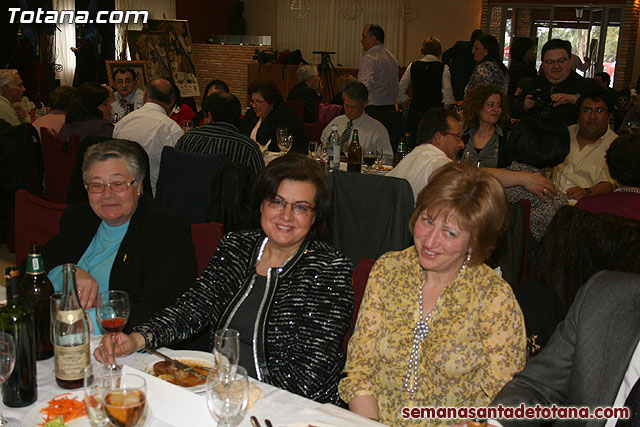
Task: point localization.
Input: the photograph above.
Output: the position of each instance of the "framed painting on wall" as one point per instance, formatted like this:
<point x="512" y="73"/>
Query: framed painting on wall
<point x="182" y="68"/>
<point x="150" y="46"/>
<point x="138" y="67"/>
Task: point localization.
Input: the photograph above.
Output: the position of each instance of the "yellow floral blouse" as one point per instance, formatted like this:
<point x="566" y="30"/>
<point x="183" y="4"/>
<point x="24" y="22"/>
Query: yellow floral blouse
<point x="475" y="344"/>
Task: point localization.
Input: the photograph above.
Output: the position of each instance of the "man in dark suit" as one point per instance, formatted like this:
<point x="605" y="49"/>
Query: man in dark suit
<point x="592" y="359"/>
<point x="308" y="89"/>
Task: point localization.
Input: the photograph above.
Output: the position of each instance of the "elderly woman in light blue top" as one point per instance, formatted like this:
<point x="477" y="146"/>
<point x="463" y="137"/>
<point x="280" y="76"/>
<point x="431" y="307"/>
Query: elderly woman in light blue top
<point x="122" y="239"/>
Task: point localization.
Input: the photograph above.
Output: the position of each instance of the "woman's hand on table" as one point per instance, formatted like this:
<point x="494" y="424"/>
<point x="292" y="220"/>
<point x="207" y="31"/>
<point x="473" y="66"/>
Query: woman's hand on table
<point x="87" y="288"/>
<point x="121" y="345"/>
<point x="365" y="405"/>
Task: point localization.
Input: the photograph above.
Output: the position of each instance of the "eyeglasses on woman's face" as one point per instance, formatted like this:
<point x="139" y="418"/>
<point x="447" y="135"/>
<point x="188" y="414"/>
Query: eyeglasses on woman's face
<point x="297" y="207"/>
<point x="117" y="186"/>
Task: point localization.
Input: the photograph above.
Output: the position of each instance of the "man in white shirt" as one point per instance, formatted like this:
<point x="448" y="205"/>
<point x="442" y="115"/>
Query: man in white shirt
<point x="11" y="90"/>
<point x="585" y="171"/>
<point x="371" y="133"/>
<point x="151" y="126"/>
<point x="126" y="92"/>
<point x="378" y="70"/>
<point x="441" y="133"/>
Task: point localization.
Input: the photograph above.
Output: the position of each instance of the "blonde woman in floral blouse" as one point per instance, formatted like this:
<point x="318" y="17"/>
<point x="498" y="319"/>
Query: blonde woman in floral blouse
<point x="437" y="327"/>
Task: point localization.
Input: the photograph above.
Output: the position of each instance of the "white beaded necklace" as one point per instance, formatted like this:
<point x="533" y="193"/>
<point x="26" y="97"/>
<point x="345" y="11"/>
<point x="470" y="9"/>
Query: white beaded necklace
<point x="420" y="333"/>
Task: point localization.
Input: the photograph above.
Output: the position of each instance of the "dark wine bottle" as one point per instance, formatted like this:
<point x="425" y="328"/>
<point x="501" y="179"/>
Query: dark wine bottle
<point x="354" y="154"/>
<point x="20" y="389"/>
<point x="70" y="334"/>
<point x="35" y="292"/>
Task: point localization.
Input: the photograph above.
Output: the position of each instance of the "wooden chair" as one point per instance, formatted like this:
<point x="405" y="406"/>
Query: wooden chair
<point x="59" y="157"/>
<point x="36" y="220"/>
<point x="205" y="238"/>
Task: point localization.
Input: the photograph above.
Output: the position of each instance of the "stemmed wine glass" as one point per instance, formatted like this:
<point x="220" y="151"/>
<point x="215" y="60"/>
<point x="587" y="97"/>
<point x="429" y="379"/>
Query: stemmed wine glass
<point x="379" y="157"/>
<point x="97" y="379"/>
<point x="227" y="395"/>
<point x="369" y="157"/>
<point x="285" y="143"/>
<point x="7" y="362"/>
<point x="125" y="401"/>
<point x="226" y="350"/>
<point x="112" y="310"/>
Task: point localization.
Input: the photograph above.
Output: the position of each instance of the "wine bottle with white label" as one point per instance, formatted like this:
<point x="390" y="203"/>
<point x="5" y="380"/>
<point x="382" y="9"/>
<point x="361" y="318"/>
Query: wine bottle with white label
<point x="35" y="293"/>
<point x="70" y="334"/>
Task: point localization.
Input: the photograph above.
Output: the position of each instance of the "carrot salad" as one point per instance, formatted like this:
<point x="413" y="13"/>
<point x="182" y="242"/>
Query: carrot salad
<point x="69" y="408"/>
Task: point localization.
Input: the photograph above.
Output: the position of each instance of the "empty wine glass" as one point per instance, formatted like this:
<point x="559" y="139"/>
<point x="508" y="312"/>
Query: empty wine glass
<point x="284" y="144"/>
<point x="227" y="395"/>
<point x="125" y="401"/>
<point x="281" y="135"/>
<point x="379" y="157"/>
<point x="313" y="147"/>
<point x="112" y="311"/>
<point x="226" y="350"/>
<point x="97" y="379"/>
<point x="7" y="362"/>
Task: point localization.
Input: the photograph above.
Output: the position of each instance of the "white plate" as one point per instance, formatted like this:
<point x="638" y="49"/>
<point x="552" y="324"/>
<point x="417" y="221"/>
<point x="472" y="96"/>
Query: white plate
<point x="34" y="417"/>
<point x="146" y="363"/>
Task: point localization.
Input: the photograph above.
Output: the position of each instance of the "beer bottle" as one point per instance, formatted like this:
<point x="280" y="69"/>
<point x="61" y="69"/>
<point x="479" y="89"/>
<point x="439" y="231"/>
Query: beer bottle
<point x="35" y="293"/>
<point x="17" y="320"/>
<point x="400" y="153"/>
<point x="354" y="154"/>
<point x="70" y="334"/>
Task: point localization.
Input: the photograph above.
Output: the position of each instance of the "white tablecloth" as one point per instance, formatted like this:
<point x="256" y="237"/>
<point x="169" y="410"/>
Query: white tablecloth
<point x="173" y="406"/>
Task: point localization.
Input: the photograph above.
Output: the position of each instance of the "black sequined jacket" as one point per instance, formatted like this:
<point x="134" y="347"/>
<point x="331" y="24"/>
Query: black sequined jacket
<point x="301" y="321"/>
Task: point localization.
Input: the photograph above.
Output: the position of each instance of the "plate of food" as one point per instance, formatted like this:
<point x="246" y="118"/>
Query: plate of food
<point x="201" y="361"/>
<point x="66" y="410"/>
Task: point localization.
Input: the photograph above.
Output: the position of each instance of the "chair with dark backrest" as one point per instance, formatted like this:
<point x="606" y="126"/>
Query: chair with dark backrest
<point x="314" y="130"/>
<point x="359" y="283"/>
<point x="393" y="121"/>
<point x="184" y="182"/>
<point x="37" y="221"/>
<point x="298" y="107"/>
<point x="231" y="192"/>
<point x="511" y="251"/>
<point x="370" y="214"/>
<point x="59" y="157"/>
<point x="328" y="112"/>
<point x="205" y="238"/>
<point x="578" y="243"/>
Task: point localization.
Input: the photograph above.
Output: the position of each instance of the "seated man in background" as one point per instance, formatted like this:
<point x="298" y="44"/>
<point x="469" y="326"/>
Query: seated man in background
<point x="584" y="171"/>
<point x="220" y="133"/>
<point x="126" y="92"/>
<point x="371" y="132"/>
<point x="150" y="126"/>
<point x="11" y="90"/>
<point x="212" y="87"/>
<point x="440" y="136"/>
<point x="308" y="89"/>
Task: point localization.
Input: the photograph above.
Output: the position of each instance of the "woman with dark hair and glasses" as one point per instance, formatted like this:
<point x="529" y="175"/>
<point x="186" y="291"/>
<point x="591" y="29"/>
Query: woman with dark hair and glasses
<point x="489" y="67"/>
<point x="122" y="239"/>
<point x="268" y="112"/>
<point x="288" y="293"/>
<point x="88" y="112"/>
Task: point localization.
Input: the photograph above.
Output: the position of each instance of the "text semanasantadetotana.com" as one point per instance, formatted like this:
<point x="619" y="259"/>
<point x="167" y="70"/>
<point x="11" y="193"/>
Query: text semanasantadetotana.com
<point x="518" y="412"/>
<point x="41" y="16"/>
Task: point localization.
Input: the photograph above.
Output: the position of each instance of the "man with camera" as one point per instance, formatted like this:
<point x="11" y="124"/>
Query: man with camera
<point x="555" y="93"/>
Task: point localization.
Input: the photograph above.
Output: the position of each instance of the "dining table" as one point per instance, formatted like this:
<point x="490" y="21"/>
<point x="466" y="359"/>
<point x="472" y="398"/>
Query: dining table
<point x="172" y="405"/>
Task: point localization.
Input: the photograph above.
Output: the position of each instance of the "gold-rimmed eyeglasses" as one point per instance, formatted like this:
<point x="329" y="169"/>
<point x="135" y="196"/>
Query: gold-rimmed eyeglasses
<point x="116" y="186"/>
